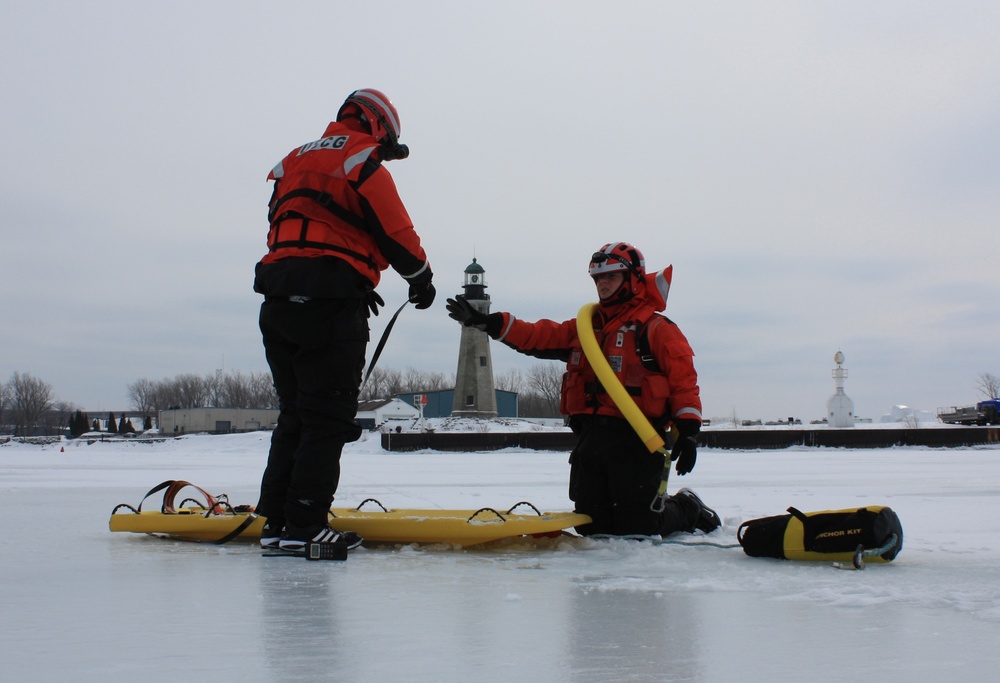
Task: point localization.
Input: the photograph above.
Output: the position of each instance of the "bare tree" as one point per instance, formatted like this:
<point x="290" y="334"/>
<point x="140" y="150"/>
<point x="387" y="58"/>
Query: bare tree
<point x="988" y="385"/>
<point x="376" y="385"/>
<point x="167" y="395"/>
<point x="511" y="380"/>
<point x="233" y="390"/>
<point x="911" y="420"/>
<point x="545" y="384"/>
<point x="214" y="390"/>
<point x="192" y="391"/>
<point x="418" y="380"/>
<point x="57" y="417"/>
<point x="262" y="393"/>
<point x="390" y="384"/>
<point x="30" y="399"/>
<point x="4" y="399"/>
<point x="237" y="390"/>
<point x="184" y="391"/>
<point x="142" y="394"/>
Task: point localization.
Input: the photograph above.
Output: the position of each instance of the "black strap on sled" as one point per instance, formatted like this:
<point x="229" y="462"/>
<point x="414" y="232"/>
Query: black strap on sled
<point x="250" y="519"/>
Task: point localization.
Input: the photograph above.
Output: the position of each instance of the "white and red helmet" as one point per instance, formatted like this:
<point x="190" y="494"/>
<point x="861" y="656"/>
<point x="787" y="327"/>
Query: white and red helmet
<point x="373" y="107"/>
<point x="618" y="256"/>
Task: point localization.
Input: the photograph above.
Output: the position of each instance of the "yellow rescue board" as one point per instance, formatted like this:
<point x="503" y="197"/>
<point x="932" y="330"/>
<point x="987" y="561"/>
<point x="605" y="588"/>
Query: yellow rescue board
<point x="456" y="527"/>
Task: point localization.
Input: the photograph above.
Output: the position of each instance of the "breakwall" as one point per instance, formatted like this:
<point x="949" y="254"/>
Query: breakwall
<point x="740" y="439"/>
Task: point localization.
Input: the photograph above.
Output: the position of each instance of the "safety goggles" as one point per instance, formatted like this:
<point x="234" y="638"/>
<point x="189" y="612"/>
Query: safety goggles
<point x="601" y="258"/>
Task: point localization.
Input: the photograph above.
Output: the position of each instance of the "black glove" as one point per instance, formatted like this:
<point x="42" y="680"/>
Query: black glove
<point x="461" y="310"/>
<point x="685" y="450"/>
<point x="373" y="300"/>
<point x="422" y="292"/>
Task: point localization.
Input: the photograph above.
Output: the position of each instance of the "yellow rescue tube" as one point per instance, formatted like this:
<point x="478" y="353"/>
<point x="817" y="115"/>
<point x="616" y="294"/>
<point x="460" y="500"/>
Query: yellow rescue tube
<point x="609" y="380"/>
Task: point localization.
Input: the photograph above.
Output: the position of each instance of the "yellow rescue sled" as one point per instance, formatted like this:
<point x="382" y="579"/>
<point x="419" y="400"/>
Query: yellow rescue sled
<point x="212" y="519"/>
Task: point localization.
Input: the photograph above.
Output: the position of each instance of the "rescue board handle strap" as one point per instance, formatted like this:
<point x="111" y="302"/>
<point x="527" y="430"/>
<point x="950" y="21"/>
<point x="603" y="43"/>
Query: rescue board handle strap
<point x="476" y="514"/>
<point x="173" y="487"/>
<point x="221" y="505"/>
<point x="524" y="502"/>
<point x="371" y="500"/>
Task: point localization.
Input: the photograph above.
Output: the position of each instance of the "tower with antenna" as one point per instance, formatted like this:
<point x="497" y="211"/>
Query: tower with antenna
<point x="475" y="393"/>
<point x="839" y="407"/>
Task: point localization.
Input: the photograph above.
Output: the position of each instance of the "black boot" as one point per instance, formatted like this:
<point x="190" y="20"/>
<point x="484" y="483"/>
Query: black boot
<point x="705" y="518"/>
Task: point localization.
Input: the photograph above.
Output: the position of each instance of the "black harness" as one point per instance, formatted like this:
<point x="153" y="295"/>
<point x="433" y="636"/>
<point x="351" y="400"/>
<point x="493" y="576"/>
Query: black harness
<point x="324" y="199"/>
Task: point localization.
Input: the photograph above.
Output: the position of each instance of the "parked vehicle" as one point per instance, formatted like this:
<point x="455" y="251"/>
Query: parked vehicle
<point x="990" y="411"/>
<point x="983" y="413"/>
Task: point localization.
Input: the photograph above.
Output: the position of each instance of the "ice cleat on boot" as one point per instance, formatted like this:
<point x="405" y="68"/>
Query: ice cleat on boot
<point x="706" y="520"/>
<point x="294" y="539"/>
<point x="270" y="535"/>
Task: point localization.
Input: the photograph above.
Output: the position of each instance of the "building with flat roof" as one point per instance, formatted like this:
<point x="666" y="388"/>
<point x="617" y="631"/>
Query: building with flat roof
<point x="216" y="420"/>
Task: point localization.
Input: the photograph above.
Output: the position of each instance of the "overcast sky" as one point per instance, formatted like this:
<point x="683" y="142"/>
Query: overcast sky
<point x="822" y="176"/>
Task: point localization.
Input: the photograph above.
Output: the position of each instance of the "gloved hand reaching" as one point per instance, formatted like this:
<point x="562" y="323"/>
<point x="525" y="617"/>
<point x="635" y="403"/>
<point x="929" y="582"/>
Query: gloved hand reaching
<point x="422" y="292"/>
<point x="461" y="310"/>
<point x="685" y="451"/>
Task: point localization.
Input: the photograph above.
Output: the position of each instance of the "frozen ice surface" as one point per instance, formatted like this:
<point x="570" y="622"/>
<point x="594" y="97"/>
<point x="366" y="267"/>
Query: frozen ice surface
<point x="81" y="603"/>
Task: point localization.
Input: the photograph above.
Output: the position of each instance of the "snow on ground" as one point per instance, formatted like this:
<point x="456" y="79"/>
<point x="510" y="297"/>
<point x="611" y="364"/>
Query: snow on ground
<point x="79" y="601"/>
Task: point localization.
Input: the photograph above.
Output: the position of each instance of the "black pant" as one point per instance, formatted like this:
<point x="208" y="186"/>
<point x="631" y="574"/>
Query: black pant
<point x="614" y="478"/>
<point x="316" y="352"/>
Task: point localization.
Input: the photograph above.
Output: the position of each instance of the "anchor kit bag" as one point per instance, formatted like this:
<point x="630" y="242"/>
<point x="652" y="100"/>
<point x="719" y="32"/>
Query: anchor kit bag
<point x="873" y="532"/>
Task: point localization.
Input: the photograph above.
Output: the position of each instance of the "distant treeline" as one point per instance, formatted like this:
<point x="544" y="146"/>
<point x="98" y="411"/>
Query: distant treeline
<point x="29" y="408"/>
<point x="219" y="390"/>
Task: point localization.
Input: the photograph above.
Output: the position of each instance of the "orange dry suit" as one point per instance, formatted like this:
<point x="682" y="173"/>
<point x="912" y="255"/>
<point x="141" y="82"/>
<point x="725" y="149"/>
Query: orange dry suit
<point x="335" y="204"/>
<point x="647" y="352"/>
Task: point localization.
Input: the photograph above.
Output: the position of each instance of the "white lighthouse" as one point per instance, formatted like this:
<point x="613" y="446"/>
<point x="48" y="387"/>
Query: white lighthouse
<point x="475" y="393"/>
<point x="839" y="407"/>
